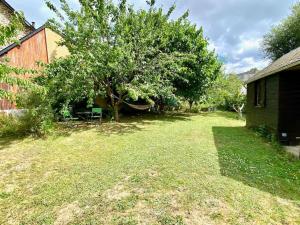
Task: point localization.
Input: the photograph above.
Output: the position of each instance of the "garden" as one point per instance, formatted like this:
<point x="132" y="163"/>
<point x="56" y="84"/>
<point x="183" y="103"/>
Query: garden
<point x="174" y="169"/>
<point x="121" y="61"/>
<point x="139" y="124"/>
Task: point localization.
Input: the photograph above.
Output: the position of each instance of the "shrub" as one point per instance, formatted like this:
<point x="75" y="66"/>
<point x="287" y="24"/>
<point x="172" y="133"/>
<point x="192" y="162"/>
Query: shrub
<point x="38" y="118"/>
<point x="198" y="107"/>
<point x="9" y="126"/>
<point x="266" y="133"/>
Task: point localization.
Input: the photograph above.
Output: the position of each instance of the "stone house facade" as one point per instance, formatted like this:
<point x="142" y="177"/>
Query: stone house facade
<point x="6" y="12"/>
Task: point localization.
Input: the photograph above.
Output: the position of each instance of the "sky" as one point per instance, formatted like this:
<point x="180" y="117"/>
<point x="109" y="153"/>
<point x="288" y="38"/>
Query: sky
<point x="235" y="28"/>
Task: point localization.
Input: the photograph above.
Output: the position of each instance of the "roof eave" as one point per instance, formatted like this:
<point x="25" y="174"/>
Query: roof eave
<point x="26" y="37"/>
<point x="286" y="67"/>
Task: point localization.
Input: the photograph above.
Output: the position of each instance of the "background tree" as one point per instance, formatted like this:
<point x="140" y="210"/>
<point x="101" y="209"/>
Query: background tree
<point x="284" y="37"/>
<point x="229" y="93"/>
<point x="117" y="52"/>
<point x="199" y="68"/>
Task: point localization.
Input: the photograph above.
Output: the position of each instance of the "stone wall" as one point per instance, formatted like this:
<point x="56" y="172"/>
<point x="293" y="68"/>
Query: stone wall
<point x="5" y="16"/>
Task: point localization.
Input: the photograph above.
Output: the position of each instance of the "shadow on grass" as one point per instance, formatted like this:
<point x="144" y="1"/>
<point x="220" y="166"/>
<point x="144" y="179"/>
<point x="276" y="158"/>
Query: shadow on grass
<point x="9" y="140"/>
<point x="245" y="158"/>
<point x="127" y="125"/>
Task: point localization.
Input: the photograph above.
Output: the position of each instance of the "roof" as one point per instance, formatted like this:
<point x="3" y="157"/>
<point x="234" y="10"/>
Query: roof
<point x="26" y="37"/>
<point x="288" y="61"/>
<point x="13" y="10"/>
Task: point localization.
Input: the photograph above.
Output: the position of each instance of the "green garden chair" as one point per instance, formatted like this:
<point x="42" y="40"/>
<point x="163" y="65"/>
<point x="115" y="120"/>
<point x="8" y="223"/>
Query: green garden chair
<point x="67" y="116"/>
<point x="97" y="114"/>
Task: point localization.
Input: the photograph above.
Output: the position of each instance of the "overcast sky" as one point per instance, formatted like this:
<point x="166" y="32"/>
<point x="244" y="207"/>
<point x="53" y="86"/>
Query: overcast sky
<point x="234" y="27"/>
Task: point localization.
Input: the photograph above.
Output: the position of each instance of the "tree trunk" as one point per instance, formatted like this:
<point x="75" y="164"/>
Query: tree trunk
<point x="161" y="107"/>
<point x="116" y="112"/>
<point x="114" y="103"/>
<point x="239" y="110"/>
<point x="240" y="114"/>
<point x="191" y="105"/>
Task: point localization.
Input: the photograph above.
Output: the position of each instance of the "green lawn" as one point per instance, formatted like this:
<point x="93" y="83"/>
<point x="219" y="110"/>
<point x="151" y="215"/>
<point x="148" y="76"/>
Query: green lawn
<point x="180" y="169"/>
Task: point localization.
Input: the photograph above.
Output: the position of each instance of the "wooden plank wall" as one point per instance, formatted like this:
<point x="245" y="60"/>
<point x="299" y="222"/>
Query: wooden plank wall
<point x="267" y="115"/>
<point x="289" y="106"/>
<point x="26" y="56"/>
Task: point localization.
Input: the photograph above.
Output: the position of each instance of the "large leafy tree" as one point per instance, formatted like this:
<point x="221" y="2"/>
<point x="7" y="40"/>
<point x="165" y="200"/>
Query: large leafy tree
<point x="9" y="74"/>
<point x="116" y="52"/>
<point x="284" y="37"/>
<point x="200" y="68"/>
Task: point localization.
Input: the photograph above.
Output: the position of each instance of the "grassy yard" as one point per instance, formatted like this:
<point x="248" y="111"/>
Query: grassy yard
<point x="178" y="169"/>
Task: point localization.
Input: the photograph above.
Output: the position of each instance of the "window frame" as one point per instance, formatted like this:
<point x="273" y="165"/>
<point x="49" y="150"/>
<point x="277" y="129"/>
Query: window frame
<point x="260" y="93"/>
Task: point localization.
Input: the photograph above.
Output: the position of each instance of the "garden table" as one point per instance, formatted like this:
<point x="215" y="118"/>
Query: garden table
<point x="84" y="115"/>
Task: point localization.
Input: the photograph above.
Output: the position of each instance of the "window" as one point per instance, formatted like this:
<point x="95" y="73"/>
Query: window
<point x="260" y="93"/>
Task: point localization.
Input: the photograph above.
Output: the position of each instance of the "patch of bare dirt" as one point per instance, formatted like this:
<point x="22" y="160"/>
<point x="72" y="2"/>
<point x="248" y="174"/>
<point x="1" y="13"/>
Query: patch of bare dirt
<point x="68" y="213"/>
<point x="9" y="188"/>
<point x="152" y="173"/>
<point x="196" y="217"/>
<point x="21" y="166"/>
<point x="117" y="192"/>
<point x="11" y="221"/>
<point x="145" y="215"/>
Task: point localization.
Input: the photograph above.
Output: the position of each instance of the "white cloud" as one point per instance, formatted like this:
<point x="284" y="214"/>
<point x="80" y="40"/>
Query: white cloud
<point x="248" y="44"/>
<point x="246" y="64"/>
<point x="212" y="46"/>
<point x="74" y="3"/>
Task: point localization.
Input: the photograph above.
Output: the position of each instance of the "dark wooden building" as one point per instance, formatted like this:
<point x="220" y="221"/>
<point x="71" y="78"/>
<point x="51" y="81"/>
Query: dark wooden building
<point x="273" y="98"/>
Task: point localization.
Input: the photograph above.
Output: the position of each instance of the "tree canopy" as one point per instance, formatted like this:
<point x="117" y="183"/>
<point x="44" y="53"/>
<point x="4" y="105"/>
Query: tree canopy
<point x="125" y="54"/>
<point x="284" y="37"/>
<point x="200" y="67"/>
